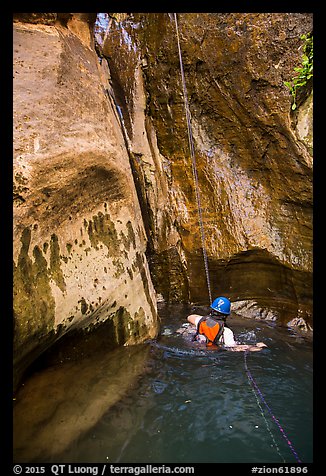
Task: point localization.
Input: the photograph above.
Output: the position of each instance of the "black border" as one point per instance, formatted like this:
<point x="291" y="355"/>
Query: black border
<point x="7" y="192"/>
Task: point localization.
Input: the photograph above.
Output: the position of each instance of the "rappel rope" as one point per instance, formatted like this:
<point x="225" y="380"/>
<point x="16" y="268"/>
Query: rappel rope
<point x="257" y="391"/>
<point x="194" y="168"/>
<point x="262" y="410"/>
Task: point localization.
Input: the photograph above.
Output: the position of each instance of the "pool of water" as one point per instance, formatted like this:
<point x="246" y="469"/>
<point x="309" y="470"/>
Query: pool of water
<point x="173" y="401"/>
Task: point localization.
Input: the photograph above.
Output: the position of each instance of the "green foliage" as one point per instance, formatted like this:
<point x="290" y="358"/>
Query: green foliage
<point x="305" y="71"/>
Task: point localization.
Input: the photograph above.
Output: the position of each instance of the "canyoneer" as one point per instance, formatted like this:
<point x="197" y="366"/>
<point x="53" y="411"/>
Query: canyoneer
<point x="213" y="329"/>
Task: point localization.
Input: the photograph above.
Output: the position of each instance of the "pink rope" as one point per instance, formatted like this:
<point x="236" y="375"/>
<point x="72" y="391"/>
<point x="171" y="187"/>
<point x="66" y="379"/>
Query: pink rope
<point x="252" y="380"/>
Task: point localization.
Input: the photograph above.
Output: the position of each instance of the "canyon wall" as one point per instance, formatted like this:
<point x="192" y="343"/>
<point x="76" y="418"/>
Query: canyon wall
<point x="79" y="239"/>
<point x="253" y="154"/>
<point x="105" y="214"/>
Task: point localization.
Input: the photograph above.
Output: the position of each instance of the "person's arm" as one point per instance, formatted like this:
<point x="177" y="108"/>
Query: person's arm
<point x="231" y="344"/>
<point x="193" y="319"/>
<point x="251" y="348"/>
<point x="187" y="328"/>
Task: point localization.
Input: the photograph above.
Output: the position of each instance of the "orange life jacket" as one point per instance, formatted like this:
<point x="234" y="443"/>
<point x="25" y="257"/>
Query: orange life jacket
<point x="211" y="328"/>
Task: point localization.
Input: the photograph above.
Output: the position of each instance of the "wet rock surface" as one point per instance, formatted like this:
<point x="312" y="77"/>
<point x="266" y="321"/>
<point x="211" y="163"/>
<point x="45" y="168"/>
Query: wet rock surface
<point x="105" y="215"/>
<point x="79" y="241"/>
<point x="253" y="154"/>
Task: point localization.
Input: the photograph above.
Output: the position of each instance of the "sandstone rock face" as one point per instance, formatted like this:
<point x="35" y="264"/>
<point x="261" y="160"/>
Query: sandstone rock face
<point x="79" y="240"/>
<point x="253" y="155"/>
<point x="104" y="196"/>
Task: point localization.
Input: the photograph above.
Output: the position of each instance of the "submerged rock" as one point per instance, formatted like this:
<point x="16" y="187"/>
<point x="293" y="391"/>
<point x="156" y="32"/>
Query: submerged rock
<point x="78" y="394"/>
<point x="300" y="324"/>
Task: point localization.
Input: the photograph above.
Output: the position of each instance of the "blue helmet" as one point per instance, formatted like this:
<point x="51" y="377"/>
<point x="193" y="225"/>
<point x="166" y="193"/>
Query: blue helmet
<point x="222" y="305"/>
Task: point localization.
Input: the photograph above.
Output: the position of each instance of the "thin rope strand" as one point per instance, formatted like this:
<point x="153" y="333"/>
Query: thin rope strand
<point x="263" y="415"/>
<point x="194" y="168"/>
<point x="252" y="380"/>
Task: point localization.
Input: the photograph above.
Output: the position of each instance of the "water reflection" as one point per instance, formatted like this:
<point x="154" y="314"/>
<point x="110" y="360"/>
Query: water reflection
<point x="58" y="405"/>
